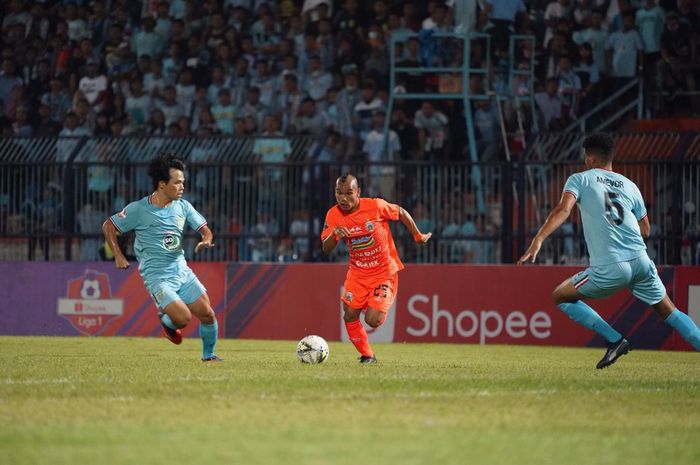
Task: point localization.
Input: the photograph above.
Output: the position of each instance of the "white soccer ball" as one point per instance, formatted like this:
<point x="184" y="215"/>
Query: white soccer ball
<point x="312" y="349"/>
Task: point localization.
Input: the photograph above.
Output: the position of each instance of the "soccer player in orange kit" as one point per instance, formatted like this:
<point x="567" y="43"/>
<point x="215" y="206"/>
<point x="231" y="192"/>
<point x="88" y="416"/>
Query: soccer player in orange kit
<point x="372" y="280"/>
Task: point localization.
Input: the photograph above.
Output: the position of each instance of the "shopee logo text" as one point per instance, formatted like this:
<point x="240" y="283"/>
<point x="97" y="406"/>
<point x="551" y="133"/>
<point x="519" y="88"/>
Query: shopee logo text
<point x="466" y="323"/>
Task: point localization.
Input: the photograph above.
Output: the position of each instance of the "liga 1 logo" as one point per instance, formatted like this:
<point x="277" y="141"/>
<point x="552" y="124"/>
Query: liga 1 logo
<point x="89" y="306"/>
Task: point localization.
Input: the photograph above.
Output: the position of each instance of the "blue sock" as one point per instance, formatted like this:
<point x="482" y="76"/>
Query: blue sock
<point x="586" y="316"/>
<point x="209" y="335"/>
<point x="685" y="326"/>
<point x="165" y="318"/>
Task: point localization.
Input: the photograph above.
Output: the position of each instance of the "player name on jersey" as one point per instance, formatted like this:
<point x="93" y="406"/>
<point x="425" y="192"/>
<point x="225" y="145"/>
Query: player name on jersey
<point x="610" y="182"/>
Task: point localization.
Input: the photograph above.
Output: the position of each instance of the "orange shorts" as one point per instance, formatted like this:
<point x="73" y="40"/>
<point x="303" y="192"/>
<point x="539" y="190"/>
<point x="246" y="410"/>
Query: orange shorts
<point x="378" y="293"/>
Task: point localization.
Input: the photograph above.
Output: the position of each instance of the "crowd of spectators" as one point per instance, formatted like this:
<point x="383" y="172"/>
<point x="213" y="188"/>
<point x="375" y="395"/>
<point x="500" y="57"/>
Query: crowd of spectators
<point x="187" y="67"/>
<point x="277" y="68"/>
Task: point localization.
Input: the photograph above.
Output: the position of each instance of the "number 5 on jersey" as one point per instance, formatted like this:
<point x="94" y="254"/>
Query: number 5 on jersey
<point x="610" y="204"/>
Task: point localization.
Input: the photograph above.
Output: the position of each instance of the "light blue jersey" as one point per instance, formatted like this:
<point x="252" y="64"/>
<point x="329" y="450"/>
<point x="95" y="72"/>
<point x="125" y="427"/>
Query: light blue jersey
<point x="611" y="207"/>
<point x="159" y="232"/>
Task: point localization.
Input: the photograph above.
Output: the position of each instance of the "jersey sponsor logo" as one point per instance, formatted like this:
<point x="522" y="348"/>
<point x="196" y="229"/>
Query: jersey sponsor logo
<point x="89" y="305"/>
<point x="355" y="229"/>
<point x="366" y="253"/>
<point x="369" y="264"/>
<point x="122" y="214"/>
<point x="171" y="242"/>
<point x="361" y="243"/>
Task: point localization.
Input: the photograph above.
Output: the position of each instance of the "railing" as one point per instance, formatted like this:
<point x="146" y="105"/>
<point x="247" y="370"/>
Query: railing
<point x="620" y="103"/>
<point x="52" y="210"/>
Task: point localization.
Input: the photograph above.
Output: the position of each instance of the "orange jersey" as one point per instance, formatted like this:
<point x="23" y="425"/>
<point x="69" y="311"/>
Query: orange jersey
<point x="371" y="246"/>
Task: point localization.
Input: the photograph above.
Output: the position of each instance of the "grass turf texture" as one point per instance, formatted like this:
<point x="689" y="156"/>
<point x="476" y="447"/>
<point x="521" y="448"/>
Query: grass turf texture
<point x="145" y="401"/>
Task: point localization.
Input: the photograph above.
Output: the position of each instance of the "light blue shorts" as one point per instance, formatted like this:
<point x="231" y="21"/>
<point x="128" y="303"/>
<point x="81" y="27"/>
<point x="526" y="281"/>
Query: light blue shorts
<point x="638" y="275"/>
<point x="185" y="287"/>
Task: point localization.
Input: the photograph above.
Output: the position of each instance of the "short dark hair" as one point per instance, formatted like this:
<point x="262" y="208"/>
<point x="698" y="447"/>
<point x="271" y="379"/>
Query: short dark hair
<point x="159" y="167"/>
<point x="348" y="177"/>
<point x="600" y="145"/>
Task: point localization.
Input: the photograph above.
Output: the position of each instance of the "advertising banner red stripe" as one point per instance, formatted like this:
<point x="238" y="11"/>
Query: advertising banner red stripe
<point x="247" y="279"/>
<point x="247" y="307"/>
<point x="496" y="304"/>
<point x="135" y="297"/>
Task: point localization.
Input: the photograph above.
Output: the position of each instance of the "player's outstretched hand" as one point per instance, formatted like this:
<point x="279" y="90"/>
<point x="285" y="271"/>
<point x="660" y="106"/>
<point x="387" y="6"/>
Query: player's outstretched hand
<point x="202" y="245"/>
<point x="121" y="263"/>
<point x="421" y="238"/>
<point x="531" y="253"/>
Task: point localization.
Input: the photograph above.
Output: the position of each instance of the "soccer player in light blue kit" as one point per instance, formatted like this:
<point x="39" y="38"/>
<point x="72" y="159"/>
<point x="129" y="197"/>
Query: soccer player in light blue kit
<point x="158" y="221"/>
<point x="614" y="224"/>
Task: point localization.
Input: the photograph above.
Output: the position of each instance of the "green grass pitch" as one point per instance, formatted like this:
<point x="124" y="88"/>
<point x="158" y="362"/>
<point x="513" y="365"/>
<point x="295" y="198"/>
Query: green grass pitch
<point x="145" y="401"/>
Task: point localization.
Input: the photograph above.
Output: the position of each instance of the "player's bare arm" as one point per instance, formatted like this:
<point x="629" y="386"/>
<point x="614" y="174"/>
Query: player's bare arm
<point x="556" y="218"/>
<point x="645" y="227"/>
<point x="207" y="239"/>
<point x="410" y="224"/>
<point x="332" y="240"/>
<point x="110" y="233"/>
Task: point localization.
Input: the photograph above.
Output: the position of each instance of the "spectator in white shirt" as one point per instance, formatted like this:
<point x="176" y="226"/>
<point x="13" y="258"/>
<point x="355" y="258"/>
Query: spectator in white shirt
<point x="550" y="104"/>
<point x="154" y="81"/>
<point x="597" y="36"/>
<point x="437" y="21"/>
<point x="224" y="112"/>
<point x="318" y="80"/>
<point x="569" y="86"/>
<point x="311" y="121"/>
<point x="382" y="178"/>
<point x="15" y="14"/>
<point x="218" y="81"/>
<point x="138" y="103"/>
<point x="93" y="85"/>
<point x="147" y="41"/>
<point x="264" y="82"/>
<point x="170" y="107"/>
<point x="71" y="130"/>
<point x="288" y="102"/>
<point x="364" y="109"/>
<point x="555" y="10"/>
<point x="163" y="25"/>
<point x="77" y="27"/>
<point x="186" y="90"/>
<point x="625" y="50"/>
<point x="432" y="130"/>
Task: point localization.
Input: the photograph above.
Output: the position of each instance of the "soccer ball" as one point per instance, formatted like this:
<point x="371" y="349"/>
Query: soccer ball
<point x="312" y="349"/>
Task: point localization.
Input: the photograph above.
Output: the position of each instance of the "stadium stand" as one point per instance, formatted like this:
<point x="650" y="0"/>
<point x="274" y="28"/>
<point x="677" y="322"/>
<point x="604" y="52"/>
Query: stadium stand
<point x="309" y="81"/>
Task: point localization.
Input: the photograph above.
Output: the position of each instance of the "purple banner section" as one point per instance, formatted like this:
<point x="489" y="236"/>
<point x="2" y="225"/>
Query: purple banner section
<point x="74" y="298"/>
<point x="32" y="294"/>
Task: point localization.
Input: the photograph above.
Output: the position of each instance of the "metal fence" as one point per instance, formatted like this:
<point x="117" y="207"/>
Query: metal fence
<point x="56" y="193"/>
